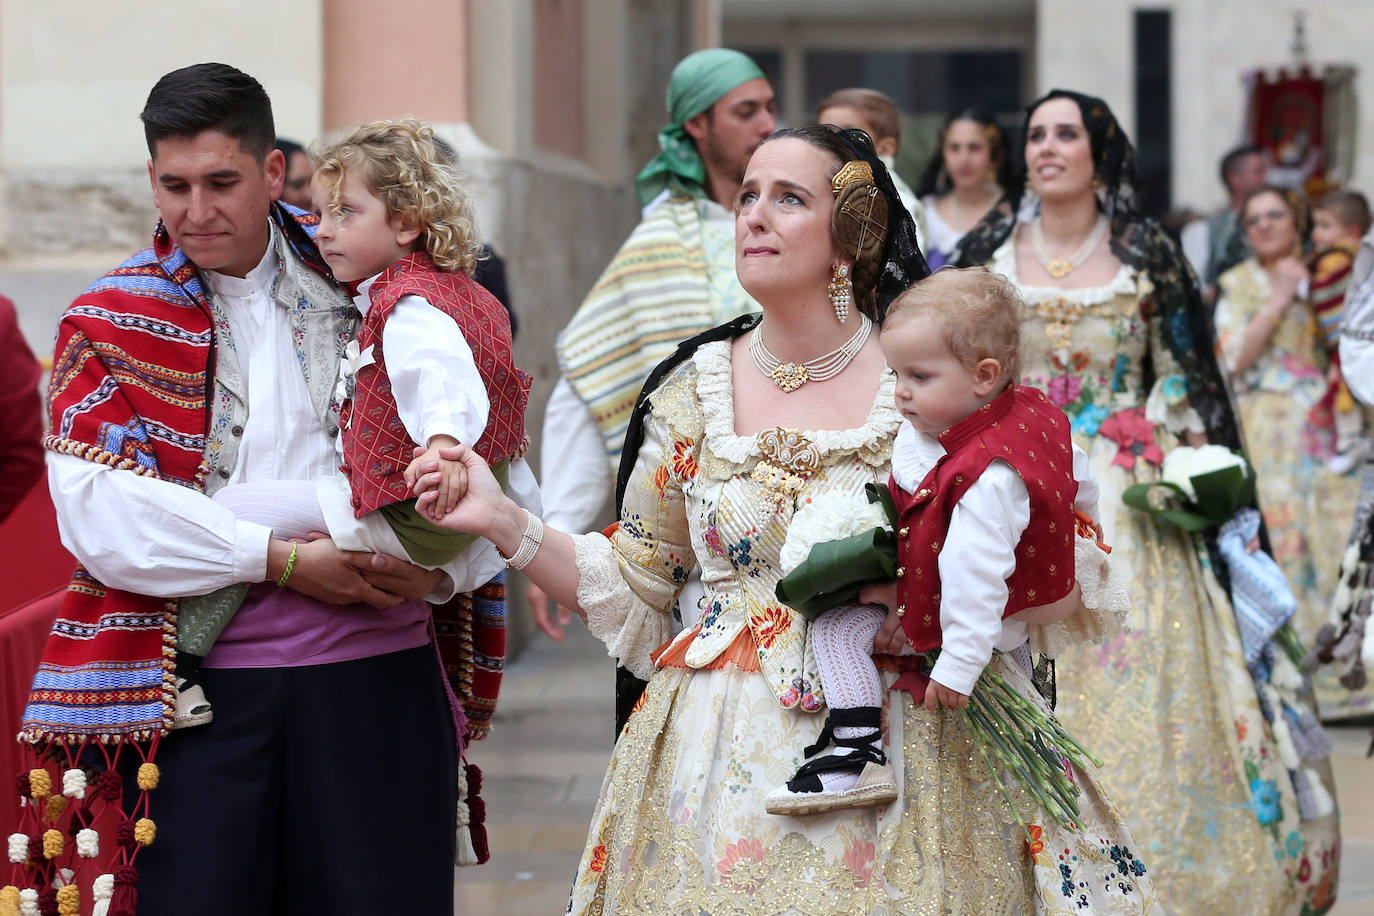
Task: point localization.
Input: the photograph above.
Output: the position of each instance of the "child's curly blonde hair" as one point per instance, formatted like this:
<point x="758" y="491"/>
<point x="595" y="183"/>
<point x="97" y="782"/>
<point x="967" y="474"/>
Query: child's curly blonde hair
<point x="402" y="163"/>
<point x="978" y="312"/>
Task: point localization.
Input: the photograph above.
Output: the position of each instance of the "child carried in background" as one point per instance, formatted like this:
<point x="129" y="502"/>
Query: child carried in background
<point x="1339" y="221"/>
<point x="989" y="489"/>
<point x="431" y="366"/>
<point x="875" y="114"/>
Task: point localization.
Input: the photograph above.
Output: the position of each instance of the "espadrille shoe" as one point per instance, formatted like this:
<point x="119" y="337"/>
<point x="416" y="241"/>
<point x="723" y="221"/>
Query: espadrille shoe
<point x="806" y="793"/>
<point x="191" y="707"/>
<point x="876" y="786"/>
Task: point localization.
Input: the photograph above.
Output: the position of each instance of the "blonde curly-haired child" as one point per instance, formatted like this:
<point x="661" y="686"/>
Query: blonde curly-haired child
<point x="430" y="367"/>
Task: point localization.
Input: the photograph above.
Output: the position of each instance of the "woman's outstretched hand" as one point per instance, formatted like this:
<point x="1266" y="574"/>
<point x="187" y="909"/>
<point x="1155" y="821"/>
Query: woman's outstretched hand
<point x="479" y="509"/>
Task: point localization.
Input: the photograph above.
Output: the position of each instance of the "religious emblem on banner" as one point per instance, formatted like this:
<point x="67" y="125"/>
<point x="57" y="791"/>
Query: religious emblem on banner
<point x="1303" y="117"/>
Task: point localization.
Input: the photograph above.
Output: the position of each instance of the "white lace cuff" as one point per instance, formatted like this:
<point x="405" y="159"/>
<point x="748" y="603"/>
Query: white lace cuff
<point x="630" y="628"/>
<point x="1106" y="605"/>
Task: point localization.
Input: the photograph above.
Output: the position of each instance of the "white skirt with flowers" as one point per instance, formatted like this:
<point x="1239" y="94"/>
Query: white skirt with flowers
<point x="680" y="827"/>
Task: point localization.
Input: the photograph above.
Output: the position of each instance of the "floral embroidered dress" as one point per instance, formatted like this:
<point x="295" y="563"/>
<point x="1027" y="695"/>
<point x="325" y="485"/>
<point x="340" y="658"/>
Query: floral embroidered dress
<point x="1170" y="707"/>
<point x="1306" y="507"/>
<point x="680" y="826"/>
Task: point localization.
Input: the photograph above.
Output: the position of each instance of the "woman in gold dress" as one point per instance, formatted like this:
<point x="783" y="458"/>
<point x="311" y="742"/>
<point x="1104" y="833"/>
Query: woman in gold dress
<point x="730" y="441"/>
<point x="1116" y="335"/>
<point x="1272" y="349"/>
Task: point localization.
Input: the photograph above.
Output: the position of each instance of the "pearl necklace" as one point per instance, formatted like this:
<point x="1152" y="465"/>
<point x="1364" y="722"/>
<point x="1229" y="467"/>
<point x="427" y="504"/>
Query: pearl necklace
<point x="1059" y="268"/>
<point x="791" y="376"/>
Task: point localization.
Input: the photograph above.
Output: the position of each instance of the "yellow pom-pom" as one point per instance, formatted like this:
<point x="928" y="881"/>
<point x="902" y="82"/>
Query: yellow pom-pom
<point x="52" y="844"/>
<point x="40" y="784"/>
<point x="9" y="900"/>
<point x="1344" y="403"/>
<point x="144" y="831"/>
<point x="55" y="805"/>
<point x="148" y="775"/>
<point x="68" y="900"/>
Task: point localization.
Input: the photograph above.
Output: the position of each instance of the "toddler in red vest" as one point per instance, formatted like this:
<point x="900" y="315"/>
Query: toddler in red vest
<point x="987" y="483"/>
<point x="431" y="366"/>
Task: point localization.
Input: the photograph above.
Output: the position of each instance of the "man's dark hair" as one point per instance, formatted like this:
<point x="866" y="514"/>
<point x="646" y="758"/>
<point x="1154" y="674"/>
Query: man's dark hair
<point x="288" y="148"/>
<point x="1231" y="161"/>
<point x="204" y="97"/>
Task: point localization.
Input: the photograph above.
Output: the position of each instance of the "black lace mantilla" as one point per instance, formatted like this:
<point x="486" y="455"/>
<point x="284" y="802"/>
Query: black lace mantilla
<point x="1141" y="243"/>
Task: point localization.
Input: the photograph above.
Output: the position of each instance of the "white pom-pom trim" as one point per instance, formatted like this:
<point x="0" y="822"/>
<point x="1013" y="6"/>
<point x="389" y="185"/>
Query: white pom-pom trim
<point x="19" y="848"/>
<point x="28" y="902"/>
<point x="74" y="783"/>
<point x="87" y="843"/>
<point x="102" y="889"/>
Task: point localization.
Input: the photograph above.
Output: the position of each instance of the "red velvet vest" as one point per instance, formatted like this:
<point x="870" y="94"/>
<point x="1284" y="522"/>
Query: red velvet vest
<point x="1021" y="427"/>
<point x="376" y="446"/>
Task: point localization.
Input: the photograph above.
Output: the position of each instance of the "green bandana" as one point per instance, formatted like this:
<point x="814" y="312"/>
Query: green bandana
<point x="699" y="81"/>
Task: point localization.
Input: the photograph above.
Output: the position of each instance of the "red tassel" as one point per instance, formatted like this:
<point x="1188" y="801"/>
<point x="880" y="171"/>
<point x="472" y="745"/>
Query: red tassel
<point x="47" y="901"/>
<point x="124" y="900"/>
<point x="474" y="777"/>
<point x="477" y="810"/>
<point x="21" y="784"/>
<point x="479" y="843"/>
<point x="109" y="786"/>
<point x="36" y="848"/>
<point x="124" y="834"/>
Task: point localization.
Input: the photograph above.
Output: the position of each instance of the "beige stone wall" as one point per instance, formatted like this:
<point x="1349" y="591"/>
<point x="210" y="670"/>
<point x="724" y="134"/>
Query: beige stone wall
<point x="74" y="76"/>
<point x="1214" y="41"/>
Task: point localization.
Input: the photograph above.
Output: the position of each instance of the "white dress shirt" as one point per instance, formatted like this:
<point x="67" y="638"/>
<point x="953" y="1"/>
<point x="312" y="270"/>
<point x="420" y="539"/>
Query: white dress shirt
<point x="978" y="554"/>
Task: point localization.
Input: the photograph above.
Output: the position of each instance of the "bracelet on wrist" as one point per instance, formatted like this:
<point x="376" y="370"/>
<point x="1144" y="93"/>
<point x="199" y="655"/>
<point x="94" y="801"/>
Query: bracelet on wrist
<point x="290" y="565"/>
<point x="530" y="541"/>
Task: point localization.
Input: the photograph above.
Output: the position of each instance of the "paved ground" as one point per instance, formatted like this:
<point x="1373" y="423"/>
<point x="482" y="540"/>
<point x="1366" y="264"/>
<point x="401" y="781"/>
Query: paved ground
<point x="544" y="761"/>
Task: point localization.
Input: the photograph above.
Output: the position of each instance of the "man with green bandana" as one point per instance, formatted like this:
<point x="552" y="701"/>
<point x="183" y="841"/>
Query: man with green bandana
<point x="673" y="278"/>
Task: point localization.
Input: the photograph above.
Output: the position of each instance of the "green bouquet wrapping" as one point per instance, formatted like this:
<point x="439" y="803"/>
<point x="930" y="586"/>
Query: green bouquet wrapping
<point x="1211" y="482"/>
<point x="833" y="550"/>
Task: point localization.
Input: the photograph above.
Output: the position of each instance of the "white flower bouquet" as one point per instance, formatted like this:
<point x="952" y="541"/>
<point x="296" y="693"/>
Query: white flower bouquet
<point x="835" y="545"/>
<point x="1200" y="488"/>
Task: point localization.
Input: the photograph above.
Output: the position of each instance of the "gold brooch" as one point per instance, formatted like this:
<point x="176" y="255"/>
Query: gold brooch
<point x="789" y="460"/>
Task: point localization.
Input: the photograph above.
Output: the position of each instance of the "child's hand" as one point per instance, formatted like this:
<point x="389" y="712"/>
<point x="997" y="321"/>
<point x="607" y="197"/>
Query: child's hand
<point x="938" y="694"/>
<point x="451" y="479"/>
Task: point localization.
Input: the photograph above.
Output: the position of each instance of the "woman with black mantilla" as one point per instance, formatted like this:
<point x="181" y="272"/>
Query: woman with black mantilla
<point x="1117" y="336"/>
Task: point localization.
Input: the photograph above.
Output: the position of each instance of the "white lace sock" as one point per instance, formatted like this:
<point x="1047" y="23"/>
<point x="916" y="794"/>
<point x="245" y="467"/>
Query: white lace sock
<point x="843" y="642"/>
<point x="289" y="507"/>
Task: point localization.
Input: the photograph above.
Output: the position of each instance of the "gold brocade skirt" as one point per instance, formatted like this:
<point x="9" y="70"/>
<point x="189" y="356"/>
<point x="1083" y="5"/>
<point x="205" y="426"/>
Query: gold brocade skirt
<point x="680" y="827"/>
<point x="1171" y="710"/>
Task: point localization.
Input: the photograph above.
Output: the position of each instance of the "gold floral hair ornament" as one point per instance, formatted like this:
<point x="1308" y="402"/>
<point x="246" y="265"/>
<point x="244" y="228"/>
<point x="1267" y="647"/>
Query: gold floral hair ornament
<point x="860" y="218"/>
<point x="850" y="172"/>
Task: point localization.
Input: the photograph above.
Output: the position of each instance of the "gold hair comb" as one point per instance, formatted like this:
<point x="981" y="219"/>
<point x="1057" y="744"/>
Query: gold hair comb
<point x="854" y="170"/>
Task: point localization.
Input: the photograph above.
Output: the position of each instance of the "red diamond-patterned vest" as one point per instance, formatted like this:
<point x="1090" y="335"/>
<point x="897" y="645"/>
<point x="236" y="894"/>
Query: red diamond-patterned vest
<point x="376" y="446"/>
<point x="1021" y="427"/>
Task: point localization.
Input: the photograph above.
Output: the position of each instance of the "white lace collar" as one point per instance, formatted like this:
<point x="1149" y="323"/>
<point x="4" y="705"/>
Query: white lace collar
<point x="1004" y="263"/>
<point x="715" y="390"/>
